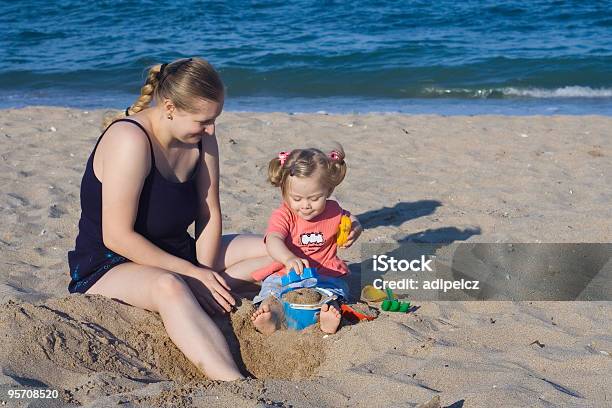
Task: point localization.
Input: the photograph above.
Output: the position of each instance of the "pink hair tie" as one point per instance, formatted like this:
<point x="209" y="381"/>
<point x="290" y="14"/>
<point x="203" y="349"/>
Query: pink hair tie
<point x="334" y="155"/>
<point x="282" y="156"/>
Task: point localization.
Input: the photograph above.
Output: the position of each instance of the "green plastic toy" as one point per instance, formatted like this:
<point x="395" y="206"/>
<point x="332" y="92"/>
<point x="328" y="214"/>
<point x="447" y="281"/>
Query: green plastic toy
<point x="392" y="305"/>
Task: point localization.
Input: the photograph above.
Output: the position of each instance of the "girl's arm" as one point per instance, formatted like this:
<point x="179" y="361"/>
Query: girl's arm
<point x="208" y="225"/>
<point x="275" y="244"/>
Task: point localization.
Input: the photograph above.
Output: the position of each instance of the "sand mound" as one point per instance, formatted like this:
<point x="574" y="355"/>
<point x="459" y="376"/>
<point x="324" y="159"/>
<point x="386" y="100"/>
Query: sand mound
<point x="303" y="296"/>
<point x="285" y="354"/>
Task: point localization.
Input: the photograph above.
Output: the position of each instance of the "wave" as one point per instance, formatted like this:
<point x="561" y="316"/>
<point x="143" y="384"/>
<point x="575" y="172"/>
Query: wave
<point x="565" y="92"/>
<point x="504" y="92"/>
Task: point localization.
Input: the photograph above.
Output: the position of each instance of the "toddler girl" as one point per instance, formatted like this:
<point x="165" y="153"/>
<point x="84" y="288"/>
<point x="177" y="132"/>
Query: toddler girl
<point x="302" y="233"/>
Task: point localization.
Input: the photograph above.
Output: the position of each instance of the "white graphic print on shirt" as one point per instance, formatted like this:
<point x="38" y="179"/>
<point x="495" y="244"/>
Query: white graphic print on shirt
<point x="314" y="238"/>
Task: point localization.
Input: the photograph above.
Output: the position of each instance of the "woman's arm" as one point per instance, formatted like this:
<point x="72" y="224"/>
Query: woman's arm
<point x="208" y="222"/>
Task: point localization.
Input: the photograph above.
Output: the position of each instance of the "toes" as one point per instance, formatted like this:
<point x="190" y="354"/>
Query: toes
<point x="331" y="308"/>
<point x="334" y="310"/>
<point x="260" y="311"/>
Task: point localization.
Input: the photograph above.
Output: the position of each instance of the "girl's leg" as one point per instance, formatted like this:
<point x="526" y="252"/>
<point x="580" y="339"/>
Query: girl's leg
<point x="239" y="256"/>
<point x="268" y="317"/>
<point x="189" y="327"/>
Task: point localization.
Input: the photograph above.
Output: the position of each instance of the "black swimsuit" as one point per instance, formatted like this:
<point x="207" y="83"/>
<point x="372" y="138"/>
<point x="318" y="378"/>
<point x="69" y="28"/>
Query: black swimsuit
<point x="165" y="211"/>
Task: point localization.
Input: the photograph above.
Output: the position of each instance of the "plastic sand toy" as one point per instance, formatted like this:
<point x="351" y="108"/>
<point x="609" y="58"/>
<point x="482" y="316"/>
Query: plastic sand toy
<point x="390" y="304"/>
<point x="370" y="294"/>
<point x="343" y="230"/>
<point x="308" y="278"/>
<point x="300" y="316"/>
<point x="395" y="306"/>
<point x="351" y="314"/>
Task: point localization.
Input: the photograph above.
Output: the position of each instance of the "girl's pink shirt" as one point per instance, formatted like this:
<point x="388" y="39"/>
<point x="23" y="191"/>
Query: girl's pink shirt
<point x="314" y="239"/>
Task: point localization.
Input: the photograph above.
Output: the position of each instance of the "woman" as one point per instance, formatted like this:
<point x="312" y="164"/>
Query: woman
<point x="148" y="178"/>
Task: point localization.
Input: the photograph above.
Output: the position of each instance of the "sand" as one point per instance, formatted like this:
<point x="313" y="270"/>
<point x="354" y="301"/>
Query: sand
<point x="425" y="178"/>
<point x="303" y="296"/>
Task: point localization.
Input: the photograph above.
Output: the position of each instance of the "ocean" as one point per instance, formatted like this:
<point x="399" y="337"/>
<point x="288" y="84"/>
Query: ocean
<point x="443" y="57"/>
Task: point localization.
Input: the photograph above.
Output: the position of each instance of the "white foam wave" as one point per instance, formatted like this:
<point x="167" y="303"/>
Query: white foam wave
<point x="565" y="92"/>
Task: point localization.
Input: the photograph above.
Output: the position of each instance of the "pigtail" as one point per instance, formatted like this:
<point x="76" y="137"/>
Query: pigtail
<point x="337" y="165"/>
<point x="275" y="172"/>
<point x="144" y="100"/>
<point x="304" y="162"/>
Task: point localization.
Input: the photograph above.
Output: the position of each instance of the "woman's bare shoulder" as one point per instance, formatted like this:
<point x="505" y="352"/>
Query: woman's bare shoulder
<point x="126" y="134"/>
<point x="125" y="143"/>
<point x="122" y="136"/>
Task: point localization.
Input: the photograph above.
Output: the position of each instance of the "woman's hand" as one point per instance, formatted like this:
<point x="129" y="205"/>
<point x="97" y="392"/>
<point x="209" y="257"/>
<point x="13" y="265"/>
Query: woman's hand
<point x="356" y="230"/>
<point x="210" y="290"/>
<point x="297" y="264"/>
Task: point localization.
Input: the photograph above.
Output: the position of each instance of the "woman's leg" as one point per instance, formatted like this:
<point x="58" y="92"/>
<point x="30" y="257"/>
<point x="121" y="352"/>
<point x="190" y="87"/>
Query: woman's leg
<point x="239" y="256"/>
<point x="189" y="327"/>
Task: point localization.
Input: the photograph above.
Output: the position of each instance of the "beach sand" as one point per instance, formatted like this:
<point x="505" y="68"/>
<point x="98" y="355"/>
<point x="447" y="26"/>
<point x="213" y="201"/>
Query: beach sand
<point x="425" y="178"/>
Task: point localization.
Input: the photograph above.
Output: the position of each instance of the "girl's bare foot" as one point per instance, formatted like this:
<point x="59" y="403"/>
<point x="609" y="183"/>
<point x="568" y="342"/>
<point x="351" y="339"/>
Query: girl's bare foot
<point x="329" y="319"/>
<point x="264" y="319"/>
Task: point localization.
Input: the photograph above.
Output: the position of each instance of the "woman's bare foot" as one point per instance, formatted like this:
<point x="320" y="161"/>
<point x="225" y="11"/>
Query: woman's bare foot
<point x="264" y="319"/>
<point x="329" y="319"/>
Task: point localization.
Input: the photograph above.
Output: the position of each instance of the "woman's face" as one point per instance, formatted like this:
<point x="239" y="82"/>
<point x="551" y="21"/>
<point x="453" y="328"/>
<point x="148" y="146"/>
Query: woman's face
<point x="190" y="127"/>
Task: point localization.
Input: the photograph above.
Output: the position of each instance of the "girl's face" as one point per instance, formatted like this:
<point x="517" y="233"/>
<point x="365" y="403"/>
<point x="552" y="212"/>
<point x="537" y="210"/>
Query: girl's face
<point x="306" y="196"/>
<point x="190" y="127"/>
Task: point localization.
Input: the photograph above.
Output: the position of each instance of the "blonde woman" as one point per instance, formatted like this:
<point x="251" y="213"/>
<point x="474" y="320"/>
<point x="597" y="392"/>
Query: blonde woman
<point x="150" y="176"/>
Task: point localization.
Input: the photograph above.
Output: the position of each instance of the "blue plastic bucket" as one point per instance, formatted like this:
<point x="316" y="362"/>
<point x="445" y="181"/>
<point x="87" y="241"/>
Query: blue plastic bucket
<point x="299" y="316"/>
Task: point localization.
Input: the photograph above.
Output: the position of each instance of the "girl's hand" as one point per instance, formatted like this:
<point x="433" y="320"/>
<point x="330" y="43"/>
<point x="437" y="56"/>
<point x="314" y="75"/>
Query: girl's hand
<point x="356" y="230"/>
<point x="297" y="264"/>
<point x="210" y="290"/>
